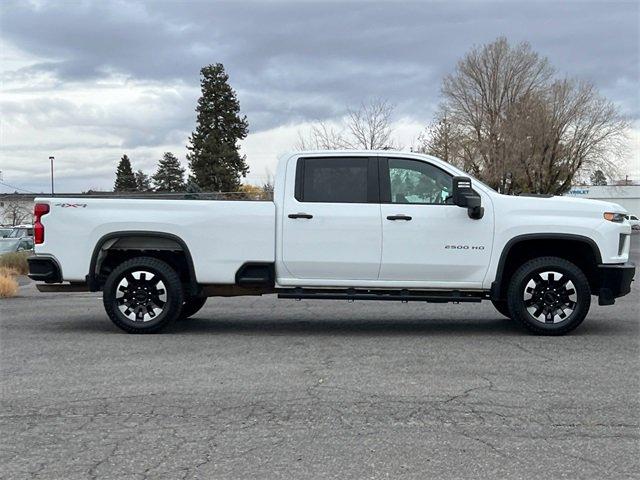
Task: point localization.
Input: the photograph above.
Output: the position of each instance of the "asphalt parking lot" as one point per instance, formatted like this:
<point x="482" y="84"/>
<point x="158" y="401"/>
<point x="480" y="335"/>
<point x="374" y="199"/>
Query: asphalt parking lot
<point x="266" y="388"/>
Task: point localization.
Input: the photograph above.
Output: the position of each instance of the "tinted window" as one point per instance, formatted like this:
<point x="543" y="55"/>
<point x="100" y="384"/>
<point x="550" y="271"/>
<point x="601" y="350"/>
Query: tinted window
<point x="412" y="181"/>
<point x="334" y="180"/>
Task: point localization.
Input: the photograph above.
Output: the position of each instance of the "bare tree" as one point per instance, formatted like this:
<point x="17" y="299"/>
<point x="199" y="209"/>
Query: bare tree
<point x="365" y="128"/>
<point x="15" y="212"/>
<point x="558" y="132"/>
<point x="322" y="137"/>
<point x="444" y="139"/>
<point x="369" y="126"/>
<point x="522" y="130"/>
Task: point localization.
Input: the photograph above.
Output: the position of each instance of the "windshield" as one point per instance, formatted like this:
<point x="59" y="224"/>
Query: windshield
<point x="4" y="232"/>
<point x="8" y="246"/>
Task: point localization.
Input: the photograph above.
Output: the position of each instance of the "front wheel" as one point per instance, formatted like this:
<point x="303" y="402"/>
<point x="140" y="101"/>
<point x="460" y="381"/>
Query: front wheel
<point x="549" y="296"/>
<point x="143" y="295"/>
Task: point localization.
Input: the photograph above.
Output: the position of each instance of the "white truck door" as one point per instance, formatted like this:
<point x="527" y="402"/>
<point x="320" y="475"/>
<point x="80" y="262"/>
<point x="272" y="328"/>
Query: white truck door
<point x="331" y="226"/>
<point x="426" y="238"/>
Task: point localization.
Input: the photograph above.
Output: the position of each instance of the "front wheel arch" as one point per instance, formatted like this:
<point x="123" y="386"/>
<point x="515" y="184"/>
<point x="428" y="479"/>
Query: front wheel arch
<point x="577" y="249"/>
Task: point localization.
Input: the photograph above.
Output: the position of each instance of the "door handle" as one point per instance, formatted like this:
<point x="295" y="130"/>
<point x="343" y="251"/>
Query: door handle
<point x="399" y="217"/>
<point x="300" y="215"/>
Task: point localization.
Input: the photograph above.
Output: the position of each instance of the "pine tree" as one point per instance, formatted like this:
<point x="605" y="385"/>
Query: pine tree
<point x="143" y="182"/>
<point x="170" y="175"/>
<point x="214" y="160"/>
<point x="125" y="179"/>
<point x="192" y="189"/>
<point x="598" y="178"/>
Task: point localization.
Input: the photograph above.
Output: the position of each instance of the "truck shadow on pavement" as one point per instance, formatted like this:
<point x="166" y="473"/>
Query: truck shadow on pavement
<point x="353" y="326"/>
<point x="369" y="327"/>
<point x="346" y="327"/>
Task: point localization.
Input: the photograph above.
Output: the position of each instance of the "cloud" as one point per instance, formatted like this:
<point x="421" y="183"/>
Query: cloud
<point x="124" y="75"/>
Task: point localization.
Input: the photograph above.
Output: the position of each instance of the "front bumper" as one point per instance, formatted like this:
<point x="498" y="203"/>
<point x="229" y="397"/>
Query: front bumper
<point x="44" y="269"/>
<point x="615" y="281"/>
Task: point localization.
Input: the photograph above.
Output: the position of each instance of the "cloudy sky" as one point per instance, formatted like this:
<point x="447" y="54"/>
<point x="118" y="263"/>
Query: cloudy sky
<point x="88" y="81"/>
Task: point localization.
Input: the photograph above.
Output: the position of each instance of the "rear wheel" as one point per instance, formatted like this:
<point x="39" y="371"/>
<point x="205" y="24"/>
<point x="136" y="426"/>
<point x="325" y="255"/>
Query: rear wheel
<point x="192" y="305"/>
<point x="549" y="296"/>
<point x="143" y="295"/>
<point x="502" y="306"/>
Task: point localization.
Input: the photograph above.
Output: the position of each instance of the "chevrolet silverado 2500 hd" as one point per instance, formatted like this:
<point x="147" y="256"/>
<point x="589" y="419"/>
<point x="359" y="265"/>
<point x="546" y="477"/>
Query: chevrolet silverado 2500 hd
<point x="342" y="225"/>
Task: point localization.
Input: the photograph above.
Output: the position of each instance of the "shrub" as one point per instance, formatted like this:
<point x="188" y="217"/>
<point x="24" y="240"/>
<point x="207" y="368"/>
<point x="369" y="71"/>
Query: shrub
<point x="8" y="286"/>
<point x="8" y="272"/>
<point x="16" y="261"/>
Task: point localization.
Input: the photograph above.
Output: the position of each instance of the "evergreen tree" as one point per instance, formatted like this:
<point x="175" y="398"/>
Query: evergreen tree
<point x="125" y="179"/>
<point x="170" y="175"/>
<point x="143" y="182"/>
<point x="598" y="178"/>
<point x="192" y="189"/>
<point x="214" y="160"/>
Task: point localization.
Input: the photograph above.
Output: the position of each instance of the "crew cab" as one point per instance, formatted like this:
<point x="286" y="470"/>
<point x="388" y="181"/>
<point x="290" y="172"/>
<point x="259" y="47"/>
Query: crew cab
<point x="343" y="225"/>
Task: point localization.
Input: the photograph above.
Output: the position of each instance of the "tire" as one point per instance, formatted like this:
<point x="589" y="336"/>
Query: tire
<point x="549" y="296"/>
<point x="192" y="305"/>
<point x="143" y="295"/>
<point x="502" y="306"/>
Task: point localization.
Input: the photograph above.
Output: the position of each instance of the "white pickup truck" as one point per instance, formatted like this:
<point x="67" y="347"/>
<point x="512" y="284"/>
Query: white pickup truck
<point x="342" y="225"/>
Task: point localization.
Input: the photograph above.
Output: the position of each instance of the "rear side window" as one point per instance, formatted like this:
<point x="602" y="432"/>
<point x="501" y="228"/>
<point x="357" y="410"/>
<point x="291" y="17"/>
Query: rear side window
<point x="334" y="180"/>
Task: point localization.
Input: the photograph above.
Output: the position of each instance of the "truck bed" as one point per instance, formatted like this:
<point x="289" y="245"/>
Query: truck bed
<point x="221" y="235"/>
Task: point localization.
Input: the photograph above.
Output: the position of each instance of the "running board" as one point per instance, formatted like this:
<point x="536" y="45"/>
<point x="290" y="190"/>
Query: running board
<point x="433" y="296"/>
<point x="62" y="287"/>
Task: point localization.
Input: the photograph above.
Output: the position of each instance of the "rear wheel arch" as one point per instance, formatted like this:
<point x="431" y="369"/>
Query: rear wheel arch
<point x="116" y="247"/>
<point x="580" y="250"/>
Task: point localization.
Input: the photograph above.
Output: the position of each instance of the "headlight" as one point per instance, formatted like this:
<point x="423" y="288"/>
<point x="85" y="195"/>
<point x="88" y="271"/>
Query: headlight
<point x="614" y="217"/>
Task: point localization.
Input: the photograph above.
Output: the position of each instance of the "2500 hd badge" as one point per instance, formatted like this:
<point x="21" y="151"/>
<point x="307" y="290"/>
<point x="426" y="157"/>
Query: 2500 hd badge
<point x="464" y="247"/>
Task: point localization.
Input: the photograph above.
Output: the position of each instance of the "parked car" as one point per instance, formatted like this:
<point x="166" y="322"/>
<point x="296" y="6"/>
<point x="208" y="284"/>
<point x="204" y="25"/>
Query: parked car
<point x="633" y="221"/>
<point x="5" y="231"/>
<point x="342" y="226"/>
<point x="9" y="245"/>
<point x="20" y="231"/>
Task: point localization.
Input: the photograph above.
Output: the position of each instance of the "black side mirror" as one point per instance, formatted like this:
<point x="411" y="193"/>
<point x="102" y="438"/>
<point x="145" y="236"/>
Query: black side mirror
<point x="464" y="196"/>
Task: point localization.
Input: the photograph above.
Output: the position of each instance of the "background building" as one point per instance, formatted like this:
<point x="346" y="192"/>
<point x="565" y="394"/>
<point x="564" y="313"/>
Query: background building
<point x="627" y="196"/>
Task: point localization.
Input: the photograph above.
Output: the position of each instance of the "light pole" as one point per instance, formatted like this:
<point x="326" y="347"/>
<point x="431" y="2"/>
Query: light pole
<point x="51" y="159"/>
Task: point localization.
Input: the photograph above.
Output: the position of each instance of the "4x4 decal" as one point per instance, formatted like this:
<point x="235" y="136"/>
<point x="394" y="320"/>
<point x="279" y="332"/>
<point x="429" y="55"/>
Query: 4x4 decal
<point x="70" y="205"/>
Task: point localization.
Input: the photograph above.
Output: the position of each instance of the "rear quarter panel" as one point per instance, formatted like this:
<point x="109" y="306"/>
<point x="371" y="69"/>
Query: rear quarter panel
<point x="220" y="235"/>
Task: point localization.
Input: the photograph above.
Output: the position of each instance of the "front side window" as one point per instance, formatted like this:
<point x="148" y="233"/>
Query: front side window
<point x="413" y="181"/>
<point x="334" y="180"/>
